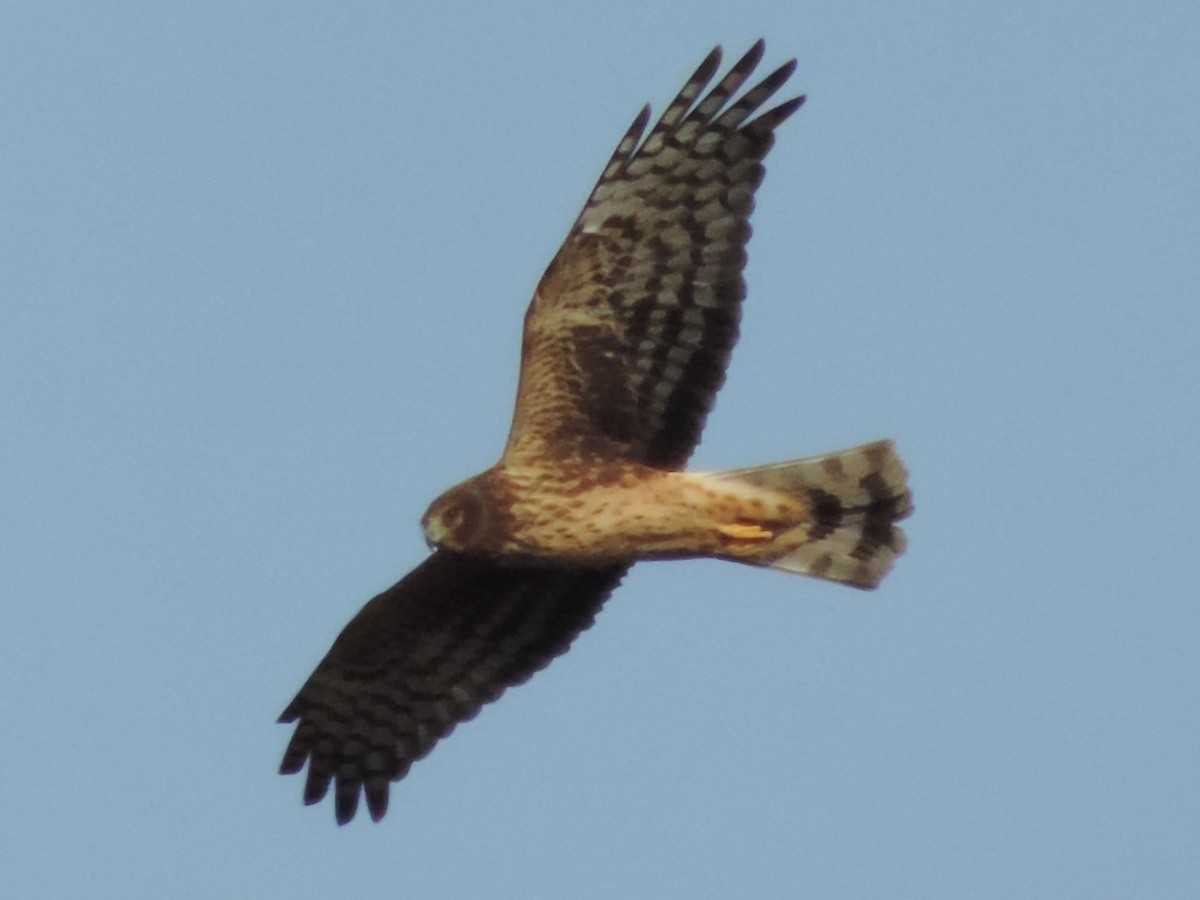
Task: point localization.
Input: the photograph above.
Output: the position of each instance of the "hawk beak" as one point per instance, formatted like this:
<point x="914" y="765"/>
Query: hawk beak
<point x="435" y="532"/>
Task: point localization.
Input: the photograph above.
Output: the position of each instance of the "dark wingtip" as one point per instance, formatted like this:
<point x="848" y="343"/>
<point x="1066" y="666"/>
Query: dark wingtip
<point x="771" y="119"/>
<point x="754" y="55"/>
<point x="639" y="123"/>
<point x="345" y="803"/>
<point x="783" y="110"/>
<point x="377" y="801"/>
<point x="710" y="64"/>
<point x="316" y="786"/>
<point x="291" y="712"/>
<point x="291" y="762"/>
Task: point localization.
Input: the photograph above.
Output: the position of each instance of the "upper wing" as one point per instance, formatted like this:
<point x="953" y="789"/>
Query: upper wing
<point x="423" y="656"/>
<point x="631" y="327"/>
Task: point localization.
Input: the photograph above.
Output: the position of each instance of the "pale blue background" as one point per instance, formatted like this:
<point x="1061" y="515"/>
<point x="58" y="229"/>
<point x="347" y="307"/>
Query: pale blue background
<point x="262" y="273"/>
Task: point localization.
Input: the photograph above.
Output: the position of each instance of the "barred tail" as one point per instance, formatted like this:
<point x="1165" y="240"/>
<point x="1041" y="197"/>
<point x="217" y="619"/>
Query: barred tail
<point x="856" y="497"/>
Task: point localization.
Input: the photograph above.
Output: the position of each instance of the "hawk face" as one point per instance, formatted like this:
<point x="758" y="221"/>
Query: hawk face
<point x="458" y="520"/>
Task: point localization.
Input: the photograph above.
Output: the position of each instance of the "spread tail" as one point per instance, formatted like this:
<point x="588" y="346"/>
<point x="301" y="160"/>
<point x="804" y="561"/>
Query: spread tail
<point x="856" y="496"/>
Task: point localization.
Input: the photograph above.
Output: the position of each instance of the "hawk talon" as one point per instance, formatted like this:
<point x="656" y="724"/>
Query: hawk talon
<point x="741" y="531"/>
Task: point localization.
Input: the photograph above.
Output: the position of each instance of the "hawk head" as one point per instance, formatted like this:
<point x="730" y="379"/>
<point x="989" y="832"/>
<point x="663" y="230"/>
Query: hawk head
<point x="459" y="519"/>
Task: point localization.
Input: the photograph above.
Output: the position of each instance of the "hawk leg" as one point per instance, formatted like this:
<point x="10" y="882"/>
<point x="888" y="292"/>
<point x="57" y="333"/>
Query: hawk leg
<point x="744" y="531"/>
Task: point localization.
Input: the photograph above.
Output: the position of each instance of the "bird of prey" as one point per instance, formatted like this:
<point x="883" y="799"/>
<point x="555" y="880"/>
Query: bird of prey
<point x="625" y="345"/>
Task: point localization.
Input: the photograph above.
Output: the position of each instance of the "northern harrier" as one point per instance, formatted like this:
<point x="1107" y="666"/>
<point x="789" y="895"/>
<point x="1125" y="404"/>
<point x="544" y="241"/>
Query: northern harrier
<point x="626" y="343"/>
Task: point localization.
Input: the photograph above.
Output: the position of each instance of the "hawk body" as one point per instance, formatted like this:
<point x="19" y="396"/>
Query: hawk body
<point x="625" y="345"/>
<point x="615" y="515"/>
<point x="603" y="514"/>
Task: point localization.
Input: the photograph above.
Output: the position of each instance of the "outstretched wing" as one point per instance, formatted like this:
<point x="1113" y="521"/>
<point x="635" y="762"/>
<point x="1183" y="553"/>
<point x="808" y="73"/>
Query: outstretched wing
<point x="423" y="656"/>
<point x="630" y="329"/>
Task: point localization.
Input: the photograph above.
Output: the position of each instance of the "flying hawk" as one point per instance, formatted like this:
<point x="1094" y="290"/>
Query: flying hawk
<point x="626" y="343"/>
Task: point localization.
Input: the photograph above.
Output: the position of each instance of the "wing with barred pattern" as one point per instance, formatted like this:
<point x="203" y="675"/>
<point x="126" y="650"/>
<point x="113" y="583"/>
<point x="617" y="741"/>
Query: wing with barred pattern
<point x="631" y="327"/>
<point x="423" y="656"/>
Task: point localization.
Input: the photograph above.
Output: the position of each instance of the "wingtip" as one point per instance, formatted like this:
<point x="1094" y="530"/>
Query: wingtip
<point x="783" y="110"/>
<point x="291" y="764"/>
<point x="314" y="788"/>
<point x="771" y="119"/>
<point x="345" y="803"/>
<point x="377" y="802"/>
<point x="712" y="61"/>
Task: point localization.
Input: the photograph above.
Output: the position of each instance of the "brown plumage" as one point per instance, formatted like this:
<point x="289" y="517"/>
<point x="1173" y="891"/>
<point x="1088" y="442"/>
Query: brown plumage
<point x="626" y="343"/>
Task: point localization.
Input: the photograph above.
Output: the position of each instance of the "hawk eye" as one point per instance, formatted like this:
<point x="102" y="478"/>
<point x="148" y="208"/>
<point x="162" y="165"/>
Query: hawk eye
<point x="461" y="517"/>
<point x="453" y="516"/>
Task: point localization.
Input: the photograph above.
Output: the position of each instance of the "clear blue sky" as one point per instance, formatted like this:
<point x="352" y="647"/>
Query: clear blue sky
<point x="262" y="274"/>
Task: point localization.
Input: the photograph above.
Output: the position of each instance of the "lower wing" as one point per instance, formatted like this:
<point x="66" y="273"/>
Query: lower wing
<point x="423" y="656"/>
